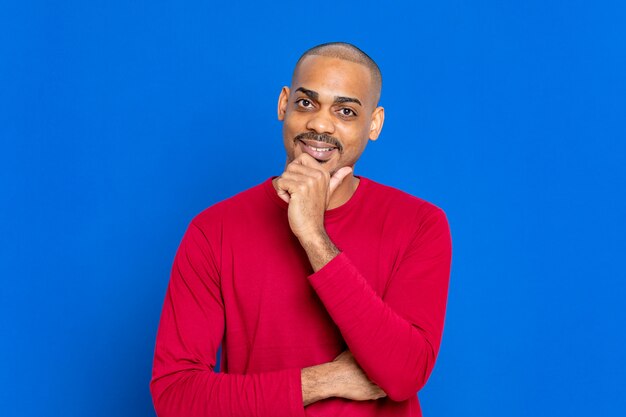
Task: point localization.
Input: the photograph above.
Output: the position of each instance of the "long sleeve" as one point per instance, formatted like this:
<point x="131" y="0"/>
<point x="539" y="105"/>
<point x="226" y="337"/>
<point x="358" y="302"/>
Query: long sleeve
<point x="394" y="336"/>
<point x="190" y="331"/>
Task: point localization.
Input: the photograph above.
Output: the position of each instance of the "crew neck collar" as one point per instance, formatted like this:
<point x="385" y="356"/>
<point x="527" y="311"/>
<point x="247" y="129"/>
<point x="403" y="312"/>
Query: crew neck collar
<point x="329" y="214"/>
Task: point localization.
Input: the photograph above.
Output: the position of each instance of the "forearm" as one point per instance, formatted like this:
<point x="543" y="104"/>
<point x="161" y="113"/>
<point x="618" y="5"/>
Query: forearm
<point x="207" y="393"/>
<point x="317" y="383"/>
<point x="396" y="354"/>
<point x="319" y="248"/>
<point x="342" y="377"/>
<point x="395" y="339"/>
<point x="380" y="338"/>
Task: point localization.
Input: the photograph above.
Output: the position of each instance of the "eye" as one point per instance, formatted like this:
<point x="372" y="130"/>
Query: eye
<point x="347" y="112"/>
<point x="303" y="102"/>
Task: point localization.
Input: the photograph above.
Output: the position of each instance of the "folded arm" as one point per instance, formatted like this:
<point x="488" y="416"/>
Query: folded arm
<point x="190" y="331"/>
<point x="394" y="337"/>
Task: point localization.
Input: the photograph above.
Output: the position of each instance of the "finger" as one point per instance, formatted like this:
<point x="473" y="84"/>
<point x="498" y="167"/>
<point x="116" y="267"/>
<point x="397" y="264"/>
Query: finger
<point x="342" y="355"/>
<point x="315" y="179"/>
<point x="307" y="160"/>
<point x="380" y="393"/>
<point x="289" y="183"/>
<point x="292" y="177"/>
<point x="296" y="166"/>
<point x="307" y="170"/>
<point x="282" y="193"/>
<point x="338" y="177"/>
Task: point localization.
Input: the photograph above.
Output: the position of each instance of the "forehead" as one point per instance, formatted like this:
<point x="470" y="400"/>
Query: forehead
<point x="334" y="77"/>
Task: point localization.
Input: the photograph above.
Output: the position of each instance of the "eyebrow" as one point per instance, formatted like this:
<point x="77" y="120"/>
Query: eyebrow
<point x="338" y="99"/>
<point x="347" y="100"/>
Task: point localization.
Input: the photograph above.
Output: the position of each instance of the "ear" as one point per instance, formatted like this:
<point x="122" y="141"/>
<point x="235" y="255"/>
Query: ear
<point x="376" y="125"/>
<point x="283" y="98"/>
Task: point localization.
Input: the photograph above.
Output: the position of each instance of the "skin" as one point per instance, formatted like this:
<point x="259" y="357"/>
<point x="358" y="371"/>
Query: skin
<point x="342" y="377"/>
<point x="337" y="98"/>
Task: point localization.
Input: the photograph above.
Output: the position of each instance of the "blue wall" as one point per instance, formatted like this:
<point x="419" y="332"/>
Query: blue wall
<point x="119" y="121"/>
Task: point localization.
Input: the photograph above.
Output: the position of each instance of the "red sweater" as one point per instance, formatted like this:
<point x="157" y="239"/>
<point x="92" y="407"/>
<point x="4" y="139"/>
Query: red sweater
<point x="241" y="279"/>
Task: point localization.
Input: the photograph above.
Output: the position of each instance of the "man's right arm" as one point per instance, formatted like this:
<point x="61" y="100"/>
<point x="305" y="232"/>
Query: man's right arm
<point x="190" y="331"/>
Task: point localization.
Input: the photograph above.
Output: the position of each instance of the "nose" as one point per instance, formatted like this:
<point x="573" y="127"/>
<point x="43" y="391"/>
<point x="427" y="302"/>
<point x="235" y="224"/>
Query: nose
<point x="321" y="123"/>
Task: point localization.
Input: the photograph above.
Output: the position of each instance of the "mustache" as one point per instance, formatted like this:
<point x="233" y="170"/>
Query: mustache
<point x="320" y="137"/>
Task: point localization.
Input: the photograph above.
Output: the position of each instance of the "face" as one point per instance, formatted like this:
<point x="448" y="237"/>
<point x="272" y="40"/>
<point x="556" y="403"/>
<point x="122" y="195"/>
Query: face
<point x="329" y="112"/>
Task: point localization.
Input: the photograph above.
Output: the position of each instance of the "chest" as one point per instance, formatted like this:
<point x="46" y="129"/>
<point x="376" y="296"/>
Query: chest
<point x="269" y="303"/>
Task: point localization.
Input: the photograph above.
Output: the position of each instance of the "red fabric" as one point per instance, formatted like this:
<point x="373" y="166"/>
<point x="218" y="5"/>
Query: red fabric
<point x="240" y="278"/>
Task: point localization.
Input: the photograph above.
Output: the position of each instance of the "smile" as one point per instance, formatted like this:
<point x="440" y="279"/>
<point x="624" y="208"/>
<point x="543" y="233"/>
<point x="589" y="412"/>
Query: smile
<point x="322" y="149"/>
<point x="318" y="150"/>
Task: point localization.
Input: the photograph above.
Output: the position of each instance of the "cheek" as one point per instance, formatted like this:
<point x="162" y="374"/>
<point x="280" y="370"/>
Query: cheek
<point x="354" y="141"/>
<point x="288" y="129"/>
<point x="288" y="134"/>
<point x="292" y="118"/>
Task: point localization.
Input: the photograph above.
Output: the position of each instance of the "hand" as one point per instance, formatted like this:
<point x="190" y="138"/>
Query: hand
<point x="340" y="378"/>
<point x="353" y="384"/>
<point x="307" y="187"/>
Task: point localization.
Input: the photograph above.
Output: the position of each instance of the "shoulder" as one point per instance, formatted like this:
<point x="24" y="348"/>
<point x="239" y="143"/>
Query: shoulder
<point x="412" y="219"/>
<point x="242" y="203"/>
<point x="400" y="202"/>
<point x="419" y="224"/>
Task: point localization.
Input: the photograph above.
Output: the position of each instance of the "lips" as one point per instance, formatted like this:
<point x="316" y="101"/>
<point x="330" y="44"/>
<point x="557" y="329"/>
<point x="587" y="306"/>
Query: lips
<point x="321" y="151"/>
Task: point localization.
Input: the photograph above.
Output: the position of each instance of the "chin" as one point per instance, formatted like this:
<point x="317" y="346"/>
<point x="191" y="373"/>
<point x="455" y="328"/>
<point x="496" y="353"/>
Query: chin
<point x="332" y="169"/>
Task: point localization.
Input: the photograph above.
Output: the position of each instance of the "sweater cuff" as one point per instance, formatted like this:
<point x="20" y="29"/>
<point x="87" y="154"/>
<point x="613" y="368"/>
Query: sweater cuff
<point x="337" y="279"/>
<point x="296" y="402"/>
<point x="331" y="268"/>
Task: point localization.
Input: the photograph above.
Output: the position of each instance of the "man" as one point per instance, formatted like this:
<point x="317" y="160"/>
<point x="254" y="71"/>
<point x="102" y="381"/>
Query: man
<point x="326" y="290"/>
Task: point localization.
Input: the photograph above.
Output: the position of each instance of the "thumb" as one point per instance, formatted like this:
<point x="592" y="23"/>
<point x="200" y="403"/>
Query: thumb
<point x="337" y="178"/>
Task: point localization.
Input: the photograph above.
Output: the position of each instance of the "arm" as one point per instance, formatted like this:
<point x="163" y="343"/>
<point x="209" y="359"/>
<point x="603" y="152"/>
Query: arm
<point x="395" y="338"/>
<point x="342" y="377"/>
<point x="190" y="331"/>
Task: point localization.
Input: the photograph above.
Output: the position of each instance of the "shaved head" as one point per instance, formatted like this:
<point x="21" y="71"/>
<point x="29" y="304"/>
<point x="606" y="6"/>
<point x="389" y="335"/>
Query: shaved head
<point x="348" y="52"/>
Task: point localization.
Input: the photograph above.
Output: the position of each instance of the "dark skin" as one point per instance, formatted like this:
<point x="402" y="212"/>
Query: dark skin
<point x="336" y="98"/>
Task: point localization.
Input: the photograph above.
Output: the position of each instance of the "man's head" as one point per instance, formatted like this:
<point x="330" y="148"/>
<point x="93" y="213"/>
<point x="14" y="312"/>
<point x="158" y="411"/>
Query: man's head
<point x="331" y="109"/>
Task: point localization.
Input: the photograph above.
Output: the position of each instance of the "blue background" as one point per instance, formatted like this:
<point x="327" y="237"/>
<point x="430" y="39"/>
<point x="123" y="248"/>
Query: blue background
<point x="121" y="120"/>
